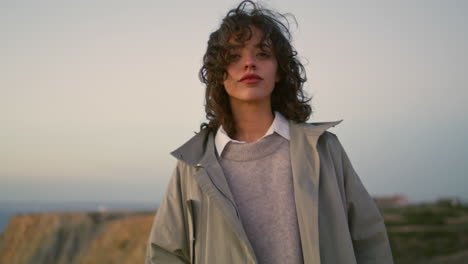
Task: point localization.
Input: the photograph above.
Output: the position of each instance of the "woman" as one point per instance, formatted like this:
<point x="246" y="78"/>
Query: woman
<point x="257" y="184"/>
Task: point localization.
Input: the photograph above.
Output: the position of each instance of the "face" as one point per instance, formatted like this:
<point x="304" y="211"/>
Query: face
<point x="252" y="71"/>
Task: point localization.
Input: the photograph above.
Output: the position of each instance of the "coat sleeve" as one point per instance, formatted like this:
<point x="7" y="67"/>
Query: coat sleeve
<point x="168" y="241"/>
<point x="368" y="232"/>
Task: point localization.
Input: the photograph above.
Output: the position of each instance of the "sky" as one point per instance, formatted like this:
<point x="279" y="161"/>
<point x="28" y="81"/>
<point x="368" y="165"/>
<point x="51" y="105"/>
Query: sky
<point x="94" y="95"/>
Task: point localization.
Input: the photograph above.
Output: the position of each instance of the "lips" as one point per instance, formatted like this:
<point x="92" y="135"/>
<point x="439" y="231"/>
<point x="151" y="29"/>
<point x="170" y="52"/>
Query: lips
<point x="250" y="78"/>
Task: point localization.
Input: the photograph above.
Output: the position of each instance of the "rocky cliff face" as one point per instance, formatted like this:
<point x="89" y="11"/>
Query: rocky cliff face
<point x="76" y="238"/>
<point x="426" y="233"/>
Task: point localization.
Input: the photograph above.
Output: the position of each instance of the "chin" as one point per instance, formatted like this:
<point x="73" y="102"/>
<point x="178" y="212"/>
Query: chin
<point x="253" y="98"/>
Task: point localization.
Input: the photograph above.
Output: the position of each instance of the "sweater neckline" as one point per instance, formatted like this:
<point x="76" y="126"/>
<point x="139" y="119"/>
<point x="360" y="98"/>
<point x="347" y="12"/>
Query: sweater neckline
<point x="253" y="151"/>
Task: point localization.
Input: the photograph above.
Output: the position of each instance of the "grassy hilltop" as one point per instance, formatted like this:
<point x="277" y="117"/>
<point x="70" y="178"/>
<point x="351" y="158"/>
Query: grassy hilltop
<point x="428" y="233"/>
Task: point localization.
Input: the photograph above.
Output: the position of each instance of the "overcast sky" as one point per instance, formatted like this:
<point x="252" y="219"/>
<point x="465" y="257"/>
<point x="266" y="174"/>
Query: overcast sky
<point x="95" y="94"/>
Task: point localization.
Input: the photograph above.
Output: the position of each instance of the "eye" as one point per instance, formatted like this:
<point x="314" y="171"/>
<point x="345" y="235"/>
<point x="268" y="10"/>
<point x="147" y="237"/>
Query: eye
<point x="233" y="57"/>
<point x="264" y="54"/>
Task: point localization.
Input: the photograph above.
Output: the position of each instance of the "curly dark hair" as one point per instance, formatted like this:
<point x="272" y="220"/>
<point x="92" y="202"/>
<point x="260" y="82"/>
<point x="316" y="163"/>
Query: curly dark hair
<point x="287" y="97"/>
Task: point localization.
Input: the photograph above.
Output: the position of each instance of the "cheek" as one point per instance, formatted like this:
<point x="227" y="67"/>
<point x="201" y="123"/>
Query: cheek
<point x="229" y="84"/>
<point x="227" y="77"/>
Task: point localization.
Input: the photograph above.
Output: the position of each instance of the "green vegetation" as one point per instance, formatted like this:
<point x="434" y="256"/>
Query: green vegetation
<point x="427" y="232"/>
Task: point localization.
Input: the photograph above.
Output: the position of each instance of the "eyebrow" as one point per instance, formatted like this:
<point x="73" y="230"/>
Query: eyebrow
<point x="261" y="45"/>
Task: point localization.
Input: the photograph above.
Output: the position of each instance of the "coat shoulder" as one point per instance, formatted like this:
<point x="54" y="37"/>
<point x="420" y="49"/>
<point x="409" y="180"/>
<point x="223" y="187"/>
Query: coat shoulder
<point x="329" y="137"/>
<point x="195" y="148"/>
<point x="330" y="141"/>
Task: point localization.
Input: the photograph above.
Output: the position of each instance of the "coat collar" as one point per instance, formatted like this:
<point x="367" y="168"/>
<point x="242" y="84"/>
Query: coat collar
<point x="201" y="146"/>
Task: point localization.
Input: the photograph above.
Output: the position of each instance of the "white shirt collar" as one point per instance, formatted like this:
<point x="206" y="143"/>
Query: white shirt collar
<point x="280" y="125"/>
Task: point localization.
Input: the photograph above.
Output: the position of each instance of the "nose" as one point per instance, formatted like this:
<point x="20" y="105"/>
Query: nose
<point x="250" y="62"/>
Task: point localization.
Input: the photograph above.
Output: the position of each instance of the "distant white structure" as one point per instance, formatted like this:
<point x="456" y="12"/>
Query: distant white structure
<point x="102" y="209"/>
<point x="397" y="200"/>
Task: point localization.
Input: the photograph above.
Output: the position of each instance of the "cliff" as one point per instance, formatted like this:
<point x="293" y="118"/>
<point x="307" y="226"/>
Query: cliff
<point x="426" y="233"/>
<point x="76" y="238"/>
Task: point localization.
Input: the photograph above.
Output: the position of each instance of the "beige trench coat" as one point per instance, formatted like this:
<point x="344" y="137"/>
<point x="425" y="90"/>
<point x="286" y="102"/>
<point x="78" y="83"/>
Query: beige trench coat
<point x="197" y="221"/>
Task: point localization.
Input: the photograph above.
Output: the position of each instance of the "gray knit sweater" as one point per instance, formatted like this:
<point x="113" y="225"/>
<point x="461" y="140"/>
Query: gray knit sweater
<point x="260" y="178"/>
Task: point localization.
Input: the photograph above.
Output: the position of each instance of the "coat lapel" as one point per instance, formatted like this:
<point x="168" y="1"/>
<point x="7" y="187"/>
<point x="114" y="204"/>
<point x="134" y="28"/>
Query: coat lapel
<point x="305" y="165"/>
<point x="210" y="177"/>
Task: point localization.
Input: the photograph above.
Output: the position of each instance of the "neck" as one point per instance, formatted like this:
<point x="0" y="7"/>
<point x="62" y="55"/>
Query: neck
<point x="251" y="120"/>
